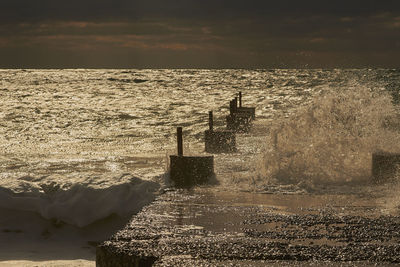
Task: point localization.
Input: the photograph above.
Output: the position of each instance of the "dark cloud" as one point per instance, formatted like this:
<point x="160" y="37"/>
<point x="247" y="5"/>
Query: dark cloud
<point x="199" y="33"/>
<point x="38" y="10"/>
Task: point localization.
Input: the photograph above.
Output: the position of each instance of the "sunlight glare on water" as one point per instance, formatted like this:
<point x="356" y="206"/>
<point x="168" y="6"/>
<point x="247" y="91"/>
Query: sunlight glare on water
<point x="88" y="130"/>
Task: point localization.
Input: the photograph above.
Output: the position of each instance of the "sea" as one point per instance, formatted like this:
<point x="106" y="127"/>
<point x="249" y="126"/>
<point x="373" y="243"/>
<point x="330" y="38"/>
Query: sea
<point x="82" y="150"/>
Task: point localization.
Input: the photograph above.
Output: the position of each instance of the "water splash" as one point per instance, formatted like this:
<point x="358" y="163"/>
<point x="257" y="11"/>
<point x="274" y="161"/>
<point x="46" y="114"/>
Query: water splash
<point x="331" y="140"/>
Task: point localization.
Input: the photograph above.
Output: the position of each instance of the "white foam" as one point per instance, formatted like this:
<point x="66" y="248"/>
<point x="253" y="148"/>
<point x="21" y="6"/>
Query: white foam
<point x="331" y="140"/>
<point x="81" y="204"/>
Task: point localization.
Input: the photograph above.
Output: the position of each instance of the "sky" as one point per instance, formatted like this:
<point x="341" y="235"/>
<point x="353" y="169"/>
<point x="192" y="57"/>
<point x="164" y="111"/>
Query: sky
<point x="199" y="34"/>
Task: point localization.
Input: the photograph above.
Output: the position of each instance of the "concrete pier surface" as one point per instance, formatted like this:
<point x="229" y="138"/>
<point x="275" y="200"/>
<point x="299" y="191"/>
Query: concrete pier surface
<point x="212" y="227"/>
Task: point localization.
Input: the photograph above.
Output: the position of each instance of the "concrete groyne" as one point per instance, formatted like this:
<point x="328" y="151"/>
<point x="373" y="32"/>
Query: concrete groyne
<point x="206" y="227"/>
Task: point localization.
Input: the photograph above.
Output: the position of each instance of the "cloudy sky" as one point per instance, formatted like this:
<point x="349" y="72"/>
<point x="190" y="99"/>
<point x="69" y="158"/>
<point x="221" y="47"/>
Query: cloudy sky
<point x="199" y="33"/>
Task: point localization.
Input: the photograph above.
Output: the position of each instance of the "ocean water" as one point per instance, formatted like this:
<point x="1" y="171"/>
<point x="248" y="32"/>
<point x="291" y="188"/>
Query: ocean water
<point x="83" y="148"/>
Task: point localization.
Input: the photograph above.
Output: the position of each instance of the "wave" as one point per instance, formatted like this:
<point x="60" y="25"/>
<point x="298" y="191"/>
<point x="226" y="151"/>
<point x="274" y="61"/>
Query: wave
<point x="136" y="80"/>
<point x="331" y="140"/>
<point x="81" y="204"/>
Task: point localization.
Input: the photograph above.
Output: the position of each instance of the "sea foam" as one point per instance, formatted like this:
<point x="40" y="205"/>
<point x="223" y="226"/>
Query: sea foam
<point x="81" y="204"/>
<point x="331" y="139"/>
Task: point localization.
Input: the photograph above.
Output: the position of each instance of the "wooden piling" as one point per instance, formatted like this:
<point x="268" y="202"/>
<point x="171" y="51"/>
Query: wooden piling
<point x="239" y="118"/>
<point x="245" y="110"/>
<point x="210" y="121"/>
<point x="187" y="171"/>
<point x="231" y="109"/>
<point x="218" y="141"/>
<point x="179" y="140"/>
<point x="235" y="104"/>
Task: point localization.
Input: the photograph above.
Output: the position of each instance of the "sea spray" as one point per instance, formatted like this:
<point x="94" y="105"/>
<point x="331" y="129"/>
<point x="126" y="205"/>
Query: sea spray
<point x="330" y="141"/>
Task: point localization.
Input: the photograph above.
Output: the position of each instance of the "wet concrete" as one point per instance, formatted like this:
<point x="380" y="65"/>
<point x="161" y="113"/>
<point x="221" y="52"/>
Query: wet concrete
<point x="210" y="227"/>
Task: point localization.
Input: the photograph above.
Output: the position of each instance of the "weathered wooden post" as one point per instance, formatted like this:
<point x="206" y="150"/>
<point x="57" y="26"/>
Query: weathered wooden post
<point x="237" y="120"/>
<point x="231" y="108"/>
<point x="218" y="141"/>
<point x="210" y="121"/>
<point x="385" y="166"/>
<point x="251" y="111"/>
<point x="179" y="140"/>
<point x="187" y="171"/>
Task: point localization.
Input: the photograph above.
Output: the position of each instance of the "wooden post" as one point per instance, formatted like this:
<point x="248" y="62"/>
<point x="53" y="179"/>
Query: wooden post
<point x="210" y="120"/>
<point x="235" y="101"/>
<point x="240" y="99"/>
<point x="180" y="141"/>
<point x="231" y="108"/>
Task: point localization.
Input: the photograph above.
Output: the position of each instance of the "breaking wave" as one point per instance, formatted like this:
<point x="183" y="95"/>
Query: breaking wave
<point x="81" y="204"/>
<point x="330" y="141"/>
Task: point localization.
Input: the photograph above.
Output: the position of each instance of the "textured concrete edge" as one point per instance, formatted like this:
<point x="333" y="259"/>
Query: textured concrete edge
<point x="135" y="247"/>
<point x="105" y="258"/>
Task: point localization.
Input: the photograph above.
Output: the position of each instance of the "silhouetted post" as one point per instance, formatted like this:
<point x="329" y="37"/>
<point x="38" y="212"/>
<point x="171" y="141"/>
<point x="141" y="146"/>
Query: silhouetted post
<point x="231" y="108"/>
<point x="210" y="120"/>
<point x="180" y="141"/>
<point x="235" y="101"/>
<point x="219" y="141"/>
<point x="186" y="171"/>
<point x="240" y="99"/>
